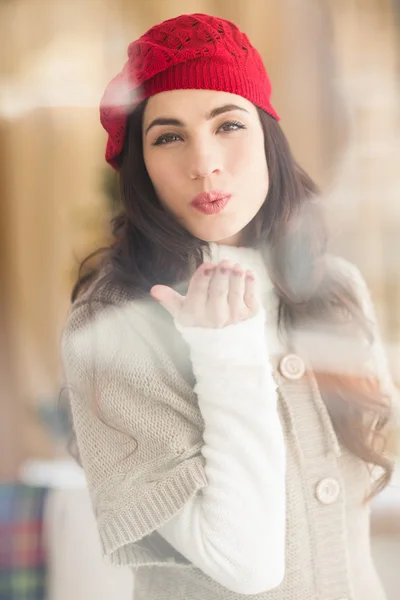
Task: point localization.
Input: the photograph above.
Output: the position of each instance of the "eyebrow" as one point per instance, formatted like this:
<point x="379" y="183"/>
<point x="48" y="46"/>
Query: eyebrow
<point x="211" y="115"/>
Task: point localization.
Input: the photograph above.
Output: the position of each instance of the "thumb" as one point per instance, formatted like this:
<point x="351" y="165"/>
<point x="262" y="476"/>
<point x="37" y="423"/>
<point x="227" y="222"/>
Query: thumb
<point x="168" y="298"/>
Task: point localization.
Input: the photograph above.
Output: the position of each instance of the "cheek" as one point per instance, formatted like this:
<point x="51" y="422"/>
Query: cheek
<point x="165" y="175"/>
<point x="159" y="169"/>
<point x="249" y="162"/>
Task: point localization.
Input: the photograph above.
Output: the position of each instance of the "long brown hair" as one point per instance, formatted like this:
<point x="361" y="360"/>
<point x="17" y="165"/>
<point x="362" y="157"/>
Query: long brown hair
<point x="149" y="246"/>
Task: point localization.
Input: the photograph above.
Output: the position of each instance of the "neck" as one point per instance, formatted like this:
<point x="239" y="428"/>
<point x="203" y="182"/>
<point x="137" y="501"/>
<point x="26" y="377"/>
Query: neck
<point x="234" y="241"/>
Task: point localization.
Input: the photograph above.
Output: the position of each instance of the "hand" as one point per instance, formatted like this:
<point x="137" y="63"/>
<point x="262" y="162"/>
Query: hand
<point x="217" y="296"/>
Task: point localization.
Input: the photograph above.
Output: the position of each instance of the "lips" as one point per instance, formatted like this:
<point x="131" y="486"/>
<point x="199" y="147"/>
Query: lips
<point x="211" y="203"/>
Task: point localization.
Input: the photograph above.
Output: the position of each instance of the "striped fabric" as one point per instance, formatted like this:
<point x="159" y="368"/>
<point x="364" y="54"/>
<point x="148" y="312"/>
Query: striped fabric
<point x="22" y="558"/>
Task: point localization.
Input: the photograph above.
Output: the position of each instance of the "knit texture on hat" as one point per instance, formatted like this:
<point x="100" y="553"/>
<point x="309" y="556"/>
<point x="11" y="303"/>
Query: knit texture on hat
<point x="188" y="52"/>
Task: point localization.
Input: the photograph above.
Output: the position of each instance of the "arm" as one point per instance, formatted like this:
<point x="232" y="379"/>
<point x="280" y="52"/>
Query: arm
<point x="137" y="426"/>
<point x="380" y="366"/>
<point x="234" y="531"/>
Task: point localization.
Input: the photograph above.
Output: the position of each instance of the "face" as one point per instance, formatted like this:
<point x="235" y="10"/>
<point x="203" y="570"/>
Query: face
<point x="204" y="152"/>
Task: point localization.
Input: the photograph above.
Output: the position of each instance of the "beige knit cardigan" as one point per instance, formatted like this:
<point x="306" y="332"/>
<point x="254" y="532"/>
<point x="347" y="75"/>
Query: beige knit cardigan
<point x="139" y="433"/>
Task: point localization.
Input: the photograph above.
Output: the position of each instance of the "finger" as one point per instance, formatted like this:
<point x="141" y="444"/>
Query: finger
<point x="236" y="293"/>
<point x="168" y="298"/>
<point x="217" y="305"/>
<point x="197" y="294"/>
<point x="251" y="292"/>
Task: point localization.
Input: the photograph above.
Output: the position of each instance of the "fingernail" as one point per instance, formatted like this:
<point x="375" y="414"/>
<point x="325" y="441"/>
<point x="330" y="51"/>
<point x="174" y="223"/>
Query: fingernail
<point x="238" y="273"/>
<point x="224" y="269"/>
<point x="250" y="276"/>
<point x="209" y="269"/>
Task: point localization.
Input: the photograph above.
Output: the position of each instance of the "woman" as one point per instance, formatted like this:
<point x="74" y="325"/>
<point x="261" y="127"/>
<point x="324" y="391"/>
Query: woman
<point x="228" y="387"/>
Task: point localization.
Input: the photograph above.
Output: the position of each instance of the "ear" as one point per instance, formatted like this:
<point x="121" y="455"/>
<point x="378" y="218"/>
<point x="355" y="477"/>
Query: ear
<point x="168" y="298"/>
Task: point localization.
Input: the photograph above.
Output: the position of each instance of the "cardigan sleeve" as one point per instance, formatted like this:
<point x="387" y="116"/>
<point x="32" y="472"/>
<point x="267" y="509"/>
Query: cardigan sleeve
<point x="137" y="429"/>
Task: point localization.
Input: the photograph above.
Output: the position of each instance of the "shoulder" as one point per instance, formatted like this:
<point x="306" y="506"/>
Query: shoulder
<point x="351" y="277"/>
<point x="345" y="268"/>
<point x="132" y="343"/>
<point x="113" y="323"/>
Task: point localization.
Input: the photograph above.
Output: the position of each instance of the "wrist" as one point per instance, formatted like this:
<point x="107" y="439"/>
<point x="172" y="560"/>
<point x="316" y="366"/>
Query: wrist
<point x="239" y="343"/>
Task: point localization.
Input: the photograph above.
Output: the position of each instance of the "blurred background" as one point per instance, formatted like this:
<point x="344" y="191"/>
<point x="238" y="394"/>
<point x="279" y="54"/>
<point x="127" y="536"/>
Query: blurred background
<point x="335" y="69"/>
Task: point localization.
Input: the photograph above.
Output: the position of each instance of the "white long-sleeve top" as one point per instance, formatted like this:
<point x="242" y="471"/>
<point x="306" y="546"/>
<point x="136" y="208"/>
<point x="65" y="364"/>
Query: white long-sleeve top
<point x="234" y="530"/>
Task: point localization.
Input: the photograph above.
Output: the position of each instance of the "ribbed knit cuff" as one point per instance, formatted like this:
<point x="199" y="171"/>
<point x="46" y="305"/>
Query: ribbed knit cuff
<point x="120" y="530"/>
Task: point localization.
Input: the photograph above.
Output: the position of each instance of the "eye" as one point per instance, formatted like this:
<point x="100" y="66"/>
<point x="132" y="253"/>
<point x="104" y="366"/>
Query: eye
<point x="231" y="126"/>
<point x="166" y="138"/>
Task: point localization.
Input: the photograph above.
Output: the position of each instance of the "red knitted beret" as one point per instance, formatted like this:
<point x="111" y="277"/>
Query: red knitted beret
<point x="188" y="52"/>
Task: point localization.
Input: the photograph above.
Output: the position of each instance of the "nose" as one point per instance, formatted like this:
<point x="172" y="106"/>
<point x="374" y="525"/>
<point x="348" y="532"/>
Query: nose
<point x="204" y="160"/>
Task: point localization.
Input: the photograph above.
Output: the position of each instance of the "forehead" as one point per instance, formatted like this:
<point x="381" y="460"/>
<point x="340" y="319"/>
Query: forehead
<point x="191" y="103"/>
